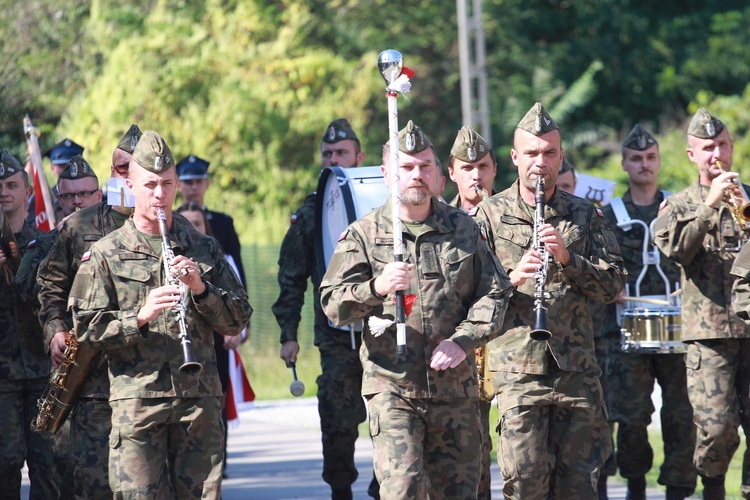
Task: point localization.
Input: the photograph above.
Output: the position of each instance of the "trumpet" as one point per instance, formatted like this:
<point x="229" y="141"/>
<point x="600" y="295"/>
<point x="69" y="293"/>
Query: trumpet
<point x="738" y="201"/>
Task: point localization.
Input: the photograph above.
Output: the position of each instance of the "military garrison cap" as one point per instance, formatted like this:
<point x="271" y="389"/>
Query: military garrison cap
<point x="704" y="125"/>
<point x="411" y="139"/>
<point x="639" y="139"/>
<point x="192" y="167"/>
<point x="78" y="168"/>
<point x="537" y="121"/>
<point x="338" y="130"/>
<point x="469" y="146"/>
<point x="153" y="153"/>
<point x="63" y="151"/>
<point x="130" y="139"/>
<point x="9" y="165"/>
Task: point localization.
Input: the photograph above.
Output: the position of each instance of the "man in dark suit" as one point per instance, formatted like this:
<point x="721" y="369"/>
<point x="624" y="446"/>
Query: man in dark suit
<point x="192" y="173"/>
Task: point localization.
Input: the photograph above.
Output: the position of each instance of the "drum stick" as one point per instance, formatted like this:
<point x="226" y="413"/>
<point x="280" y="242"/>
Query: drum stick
<point x="297" y="388"/>
<point x="647" y="300"/>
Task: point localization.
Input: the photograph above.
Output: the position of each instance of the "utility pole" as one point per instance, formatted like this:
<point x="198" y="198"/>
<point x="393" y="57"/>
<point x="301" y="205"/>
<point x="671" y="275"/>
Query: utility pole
<point x="473" y="67"/>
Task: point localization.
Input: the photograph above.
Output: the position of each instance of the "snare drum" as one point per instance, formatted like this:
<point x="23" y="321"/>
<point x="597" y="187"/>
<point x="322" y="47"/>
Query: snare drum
<point x="654" y="330"/>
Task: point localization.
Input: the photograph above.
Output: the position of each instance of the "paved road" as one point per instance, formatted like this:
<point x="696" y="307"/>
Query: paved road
<point x="275" y="453"/>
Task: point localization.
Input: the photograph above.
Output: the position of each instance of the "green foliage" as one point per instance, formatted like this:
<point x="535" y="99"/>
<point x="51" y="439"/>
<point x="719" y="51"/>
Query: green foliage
<point x="251" y="84"/>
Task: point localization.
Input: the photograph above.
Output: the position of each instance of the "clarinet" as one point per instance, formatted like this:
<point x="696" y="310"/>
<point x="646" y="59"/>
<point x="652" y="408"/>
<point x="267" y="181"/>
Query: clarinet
<point x="540" y="331"/>
<point x="190" y="365"/>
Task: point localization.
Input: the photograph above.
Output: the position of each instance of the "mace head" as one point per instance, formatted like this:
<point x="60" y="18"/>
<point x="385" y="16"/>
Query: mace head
<point x="390" y="64"/>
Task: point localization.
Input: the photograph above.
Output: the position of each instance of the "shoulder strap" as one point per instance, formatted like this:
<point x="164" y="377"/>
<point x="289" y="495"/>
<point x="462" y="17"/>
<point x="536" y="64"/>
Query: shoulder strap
<point x="621" y="214"/>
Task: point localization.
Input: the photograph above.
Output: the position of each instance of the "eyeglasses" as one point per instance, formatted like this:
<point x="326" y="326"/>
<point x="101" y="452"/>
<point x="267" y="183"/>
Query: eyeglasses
<point x="122" y="169"/>
<point x="81" y="194"/>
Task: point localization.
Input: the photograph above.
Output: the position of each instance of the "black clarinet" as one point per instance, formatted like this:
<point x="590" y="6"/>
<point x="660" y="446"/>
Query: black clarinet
<point x="540" y="331"/>
<point x="189" y="365"/>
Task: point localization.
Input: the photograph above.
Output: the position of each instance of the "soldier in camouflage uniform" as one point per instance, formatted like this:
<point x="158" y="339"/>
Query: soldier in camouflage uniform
<point x="23" y="366"/>
<point x="340" y="402"/>
<point x="77" y="188"/>
<point x="90" y="419"/>
<point x="423" y="404"/>
<point x="167" y="433"/>
<point x="59" y="156"/>
<point x="603" y="343"/>
<point x="696" y="229"/>
<point x="554" y="435"/>
<point x="634" y="373"/>
<point x="472" y="167"/>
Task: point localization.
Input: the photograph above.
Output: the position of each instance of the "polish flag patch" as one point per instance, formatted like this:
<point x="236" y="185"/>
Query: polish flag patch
<point x="86" y="256"/>
<point x="343" y="235"/>
<point x="599" y="211"/>
<point x="31" y="244"/>
<point x="293" y="218"/>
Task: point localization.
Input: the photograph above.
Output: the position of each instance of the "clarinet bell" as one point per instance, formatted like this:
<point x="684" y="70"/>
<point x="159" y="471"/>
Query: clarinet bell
<point x="540" y="332"/>
<point x="191" y="365"/>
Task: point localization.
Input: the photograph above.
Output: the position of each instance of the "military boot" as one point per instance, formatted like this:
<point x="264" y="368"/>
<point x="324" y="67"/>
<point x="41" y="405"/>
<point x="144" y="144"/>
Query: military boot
<point x="601" y="488"/>
<point x="636" y="488"/>
<point x="678" y="492"/>
<point x="341" y="493"/>
<point x="713" y="488"/>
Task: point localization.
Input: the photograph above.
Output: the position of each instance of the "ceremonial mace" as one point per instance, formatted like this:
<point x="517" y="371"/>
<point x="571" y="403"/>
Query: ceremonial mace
<point x="297" y="388"/>
<point x="396" y="76"/>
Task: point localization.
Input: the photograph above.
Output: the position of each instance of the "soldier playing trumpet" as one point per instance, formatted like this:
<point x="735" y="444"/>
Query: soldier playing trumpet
<point x="697" y="229"/>
<point x="472" y="167"/>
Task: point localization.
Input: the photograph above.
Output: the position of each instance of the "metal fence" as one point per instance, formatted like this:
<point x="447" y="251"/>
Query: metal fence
<point x="261" y="269"/>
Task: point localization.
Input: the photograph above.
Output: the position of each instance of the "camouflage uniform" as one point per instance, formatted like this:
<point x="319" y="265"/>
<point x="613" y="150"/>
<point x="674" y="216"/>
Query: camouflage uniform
<point x="552" y="387"/>
<point x="184" y="431"/>
<point x="485" y="484"/>
<point x="90" y="418"/>
<point x="703" y="242"/>
<point x="423" y="421"/>
<point x="24" y="369"/>
<point x="340" y="403"/>
<point x="634" y="373"/>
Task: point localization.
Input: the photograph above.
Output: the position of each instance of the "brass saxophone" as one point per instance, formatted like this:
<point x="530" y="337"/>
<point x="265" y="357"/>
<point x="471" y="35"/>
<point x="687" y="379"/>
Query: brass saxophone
<point x="63" y="387"/>
<point x="190" y="365"/>
<point x="484" y="375"/>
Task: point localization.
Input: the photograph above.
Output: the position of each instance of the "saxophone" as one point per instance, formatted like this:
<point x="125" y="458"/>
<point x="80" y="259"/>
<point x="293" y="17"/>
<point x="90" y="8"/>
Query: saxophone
<point x="484" y="375"/>
<point x="63" y="387"/>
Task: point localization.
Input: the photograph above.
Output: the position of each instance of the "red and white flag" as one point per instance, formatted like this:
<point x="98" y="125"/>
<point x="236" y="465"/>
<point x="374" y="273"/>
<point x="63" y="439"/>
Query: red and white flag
<point x="239" y="388"/>
<point x="44" y="212"/>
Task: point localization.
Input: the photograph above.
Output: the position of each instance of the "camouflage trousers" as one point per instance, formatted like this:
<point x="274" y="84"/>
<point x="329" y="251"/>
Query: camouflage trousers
<point x="607" y="346"/>
<point x="165" y="448"/>
<point x="91" y="425"/>
<point x="718" y="377"/>
<point x="631" y="386"/>
<point x="341" y="409"/>
<point x="553" y="434"/>
<point x="425" y="448"/>
<point x="18" y="443"/>
<point x="485" y="480"/>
